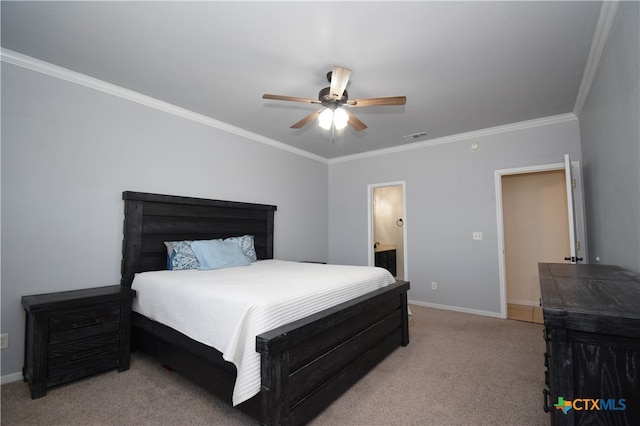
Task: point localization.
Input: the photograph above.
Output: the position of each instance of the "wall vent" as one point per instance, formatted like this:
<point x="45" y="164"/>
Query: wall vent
<point x="415" y="136"/>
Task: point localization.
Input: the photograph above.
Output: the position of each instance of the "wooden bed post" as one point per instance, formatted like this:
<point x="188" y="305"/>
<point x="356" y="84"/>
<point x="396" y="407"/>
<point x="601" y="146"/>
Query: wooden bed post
<point x="275" y="376"/>
<point x="270" y="228"/>
<point x="405" y="319"/>
<point x="132" y="242"/>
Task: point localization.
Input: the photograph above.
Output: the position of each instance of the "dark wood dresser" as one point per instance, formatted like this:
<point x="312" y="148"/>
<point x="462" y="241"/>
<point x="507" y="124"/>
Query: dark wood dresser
<point x="592" y="332"/>
<point x="74" y="334"/>
<point x="386" y="258"/>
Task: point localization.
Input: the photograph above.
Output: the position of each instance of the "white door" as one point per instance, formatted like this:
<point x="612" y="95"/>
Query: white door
<point x="569" y="180"/>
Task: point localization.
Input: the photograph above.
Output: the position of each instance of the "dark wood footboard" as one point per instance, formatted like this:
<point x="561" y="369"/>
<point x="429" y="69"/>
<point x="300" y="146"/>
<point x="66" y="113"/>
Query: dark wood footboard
<point x="309" y="363"/>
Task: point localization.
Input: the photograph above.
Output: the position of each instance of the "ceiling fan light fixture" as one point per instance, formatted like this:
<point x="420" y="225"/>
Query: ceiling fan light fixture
<point x="325" y="118"/>
<point x="340" y="118"/>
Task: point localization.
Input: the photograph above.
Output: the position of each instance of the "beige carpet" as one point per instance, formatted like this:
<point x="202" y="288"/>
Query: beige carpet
<point x="459" y="369"/>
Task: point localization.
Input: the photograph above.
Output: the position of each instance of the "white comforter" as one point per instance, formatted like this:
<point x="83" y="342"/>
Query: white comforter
<point x="228" y="308"/>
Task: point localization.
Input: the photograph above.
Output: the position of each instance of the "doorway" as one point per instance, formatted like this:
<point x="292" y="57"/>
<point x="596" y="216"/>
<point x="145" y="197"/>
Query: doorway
<point x="387" y="227"/>
<point x="536" y="230"/>
<point x="552" y="214"/>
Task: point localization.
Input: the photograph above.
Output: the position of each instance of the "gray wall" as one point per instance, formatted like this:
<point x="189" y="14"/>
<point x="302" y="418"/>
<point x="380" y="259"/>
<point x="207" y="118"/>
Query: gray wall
<point x="610" y="133"/>
<point x="450" y="193"/>
<point x="68" y="152"/>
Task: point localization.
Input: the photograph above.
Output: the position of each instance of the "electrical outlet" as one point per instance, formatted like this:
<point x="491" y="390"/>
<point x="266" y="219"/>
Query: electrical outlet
<point x="434" y="285"/>
<point x="4" y="341"/>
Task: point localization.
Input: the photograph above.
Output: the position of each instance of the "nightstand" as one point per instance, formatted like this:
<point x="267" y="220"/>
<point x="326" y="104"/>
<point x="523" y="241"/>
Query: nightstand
<point x="74" y="334"/>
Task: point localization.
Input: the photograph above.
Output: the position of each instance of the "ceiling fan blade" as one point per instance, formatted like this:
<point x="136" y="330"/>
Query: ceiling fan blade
<point x="290" y="98"/>
<point x="309" y="118"/>
<point x="339" y="79"/>
<point x="355" y="122"/>
<point x="389" y="100"/>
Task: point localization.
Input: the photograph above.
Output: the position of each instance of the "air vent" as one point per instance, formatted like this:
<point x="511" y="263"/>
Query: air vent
<point x="415" y="136"/>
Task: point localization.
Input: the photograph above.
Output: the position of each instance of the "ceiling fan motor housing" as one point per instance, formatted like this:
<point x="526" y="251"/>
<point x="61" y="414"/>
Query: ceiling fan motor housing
<point x="324" y="96"/>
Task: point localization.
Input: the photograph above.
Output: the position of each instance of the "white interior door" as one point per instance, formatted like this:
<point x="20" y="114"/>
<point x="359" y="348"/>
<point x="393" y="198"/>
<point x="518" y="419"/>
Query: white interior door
<point x="569" y="180"/>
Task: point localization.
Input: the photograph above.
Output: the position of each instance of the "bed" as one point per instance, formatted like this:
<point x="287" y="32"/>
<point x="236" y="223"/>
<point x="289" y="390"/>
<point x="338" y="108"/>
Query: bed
<point x="305" y="364"/>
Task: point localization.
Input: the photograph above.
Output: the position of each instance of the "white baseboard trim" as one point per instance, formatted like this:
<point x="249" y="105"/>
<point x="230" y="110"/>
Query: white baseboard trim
<point x="457" y="309"/>
<point x="13" y="377"/>
<point x="523" y="302"/>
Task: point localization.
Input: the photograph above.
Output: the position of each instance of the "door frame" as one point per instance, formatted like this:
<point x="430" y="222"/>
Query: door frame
<point x="370" y="241"/>
<point x="578" y="208"/>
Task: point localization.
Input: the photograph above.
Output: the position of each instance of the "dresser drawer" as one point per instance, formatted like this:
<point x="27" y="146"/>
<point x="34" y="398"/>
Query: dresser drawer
<point x="84" y="323"/>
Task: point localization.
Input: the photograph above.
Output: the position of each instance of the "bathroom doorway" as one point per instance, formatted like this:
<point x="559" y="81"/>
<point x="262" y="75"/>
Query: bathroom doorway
<point x="388" y="227"/>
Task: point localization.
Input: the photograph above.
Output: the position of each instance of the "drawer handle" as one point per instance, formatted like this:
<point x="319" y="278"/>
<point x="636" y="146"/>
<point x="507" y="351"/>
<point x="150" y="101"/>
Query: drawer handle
<point x="545" y="394"/>
<point x="546" y="378"/>
<point x="546" y="359"/>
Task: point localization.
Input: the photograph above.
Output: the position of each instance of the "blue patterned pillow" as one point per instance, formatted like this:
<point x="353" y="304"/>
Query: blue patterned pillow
<point x="246" y="243"/>
<point x="180" y="255"/>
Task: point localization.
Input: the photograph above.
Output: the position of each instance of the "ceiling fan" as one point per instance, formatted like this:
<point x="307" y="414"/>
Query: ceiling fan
<point x="333" y="99"/>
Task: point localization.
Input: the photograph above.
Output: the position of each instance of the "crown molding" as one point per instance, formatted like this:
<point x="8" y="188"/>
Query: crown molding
<point x="522" y="125"/>
<point x="61" y="73"/>
<point x="55" y="71"/>
<point x="603" y="28"/>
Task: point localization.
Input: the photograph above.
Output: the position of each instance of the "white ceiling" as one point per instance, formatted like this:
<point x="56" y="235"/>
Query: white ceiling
<point x="463" y="66"/>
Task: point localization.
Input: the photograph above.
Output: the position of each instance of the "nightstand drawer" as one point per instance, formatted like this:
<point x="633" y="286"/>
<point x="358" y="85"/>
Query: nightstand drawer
<point x="81" y="349"/>
<point x="83" y="323"/>
<point x="99" y="362"/>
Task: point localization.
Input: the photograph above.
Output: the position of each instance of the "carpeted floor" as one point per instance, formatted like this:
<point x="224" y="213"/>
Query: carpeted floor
<point x="459" y="369"/>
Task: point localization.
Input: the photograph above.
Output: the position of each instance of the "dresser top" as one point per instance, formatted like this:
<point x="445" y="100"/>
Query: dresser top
<point x="586" y="297"/>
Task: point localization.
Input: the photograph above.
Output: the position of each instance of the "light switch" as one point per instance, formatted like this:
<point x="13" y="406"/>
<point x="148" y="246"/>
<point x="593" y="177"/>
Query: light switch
<point x="477" y="235"/>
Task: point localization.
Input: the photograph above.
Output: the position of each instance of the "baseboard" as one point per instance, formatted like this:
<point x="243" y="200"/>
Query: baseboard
<point x="523" y="302"/>
<point x="13" y="377"/>
<point x="457" y="309"/>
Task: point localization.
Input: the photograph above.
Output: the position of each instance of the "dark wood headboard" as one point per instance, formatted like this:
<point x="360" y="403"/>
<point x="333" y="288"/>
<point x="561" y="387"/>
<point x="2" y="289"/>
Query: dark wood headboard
<point x="152" y="219"/>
